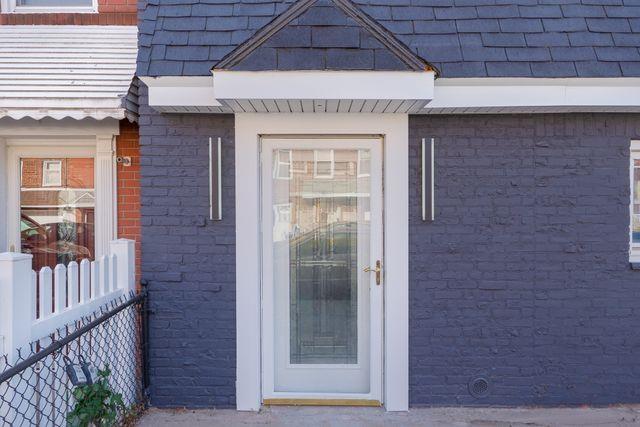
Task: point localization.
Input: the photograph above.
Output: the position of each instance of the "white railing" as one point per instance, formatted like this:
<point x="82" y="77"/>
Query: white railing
<point x="35" y="305"/>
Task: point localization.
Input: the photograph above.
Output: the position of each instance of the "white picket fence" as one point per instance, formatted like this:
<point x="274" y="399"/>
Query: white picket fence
<point x="79" y="291"/>
<point x="38" y="307"/>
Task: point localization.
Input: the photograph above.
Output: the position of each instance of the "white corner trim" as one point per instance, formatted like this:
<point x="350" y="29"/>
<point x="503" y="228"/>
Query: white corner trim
<point x="474" y="95"/>
<point x="384" y="85"/>
<point x="248" y="128"/>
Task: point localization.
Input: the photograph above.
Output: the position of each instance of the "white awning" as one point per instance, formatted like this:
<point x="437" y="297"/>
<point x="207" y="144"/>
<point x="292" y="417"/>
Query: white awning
<point x="63" y="71"/>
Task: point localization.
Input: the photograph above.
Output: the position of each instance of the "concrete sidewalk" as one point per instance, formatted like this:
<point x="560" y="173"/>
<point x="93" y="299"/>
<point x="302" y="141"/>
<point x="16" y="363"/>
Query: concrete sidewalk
<point x="628" y="415"/>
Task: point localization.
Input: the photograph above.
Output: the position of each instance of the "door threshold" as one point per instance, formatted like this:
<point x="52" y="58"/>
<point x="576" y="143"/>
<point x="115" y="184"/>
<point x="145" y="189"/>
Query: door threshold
<point x="321" y="402"/>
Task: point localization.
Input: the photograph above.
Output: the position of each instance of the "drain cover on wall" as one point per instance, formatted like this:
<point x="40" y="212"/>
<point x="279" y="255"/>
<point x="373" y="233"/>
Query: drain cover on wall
<point x="479" y="387"/>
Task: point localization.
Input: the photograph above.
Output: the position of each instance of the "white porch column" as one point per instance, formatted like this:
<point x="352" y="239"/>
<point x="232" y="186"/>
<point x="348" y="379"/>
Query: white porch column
<point x="105" y="186"/>
<point x="3" y="195"/>
<point x="124" y="250"/>
<point x="15" y="302"/>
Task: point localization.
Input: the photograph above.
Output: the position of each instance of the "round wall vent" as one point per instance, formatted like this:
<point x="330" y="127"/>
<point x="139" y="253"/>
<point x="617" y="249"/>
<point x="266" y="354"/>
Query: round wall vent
<point x="479" y="387"/>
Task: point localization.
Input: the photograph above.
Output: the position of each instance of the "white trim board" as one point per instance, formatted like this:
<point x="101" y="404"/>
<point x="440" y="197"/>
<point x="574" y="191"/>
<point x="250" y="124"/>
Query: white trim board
<point x="394" y="128"/>
<point x="292" y="91"/>
<point x="450" y="96"/>
<point x="534" y="95"/>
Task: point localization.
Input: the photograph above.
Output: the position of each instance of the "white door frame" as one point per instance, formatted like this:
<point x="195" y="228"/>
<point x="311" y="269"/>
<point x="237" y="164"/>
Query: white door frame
<point x="394" y="128"/>
<point x="371" y="347"/>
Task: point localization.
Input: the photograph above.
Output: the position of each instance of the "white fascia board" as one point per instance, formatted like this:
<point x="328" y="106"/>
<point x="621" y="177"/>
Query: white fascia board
<point x="481" y="93"/>
<point x="181" y="91"/>
<point x="329" y="85"/>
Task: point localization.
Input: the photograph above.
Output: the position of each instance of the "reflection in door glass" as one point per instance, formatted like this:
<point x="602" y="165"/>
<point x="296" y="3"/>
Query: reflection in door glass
<point x="321" y="236"/>
<point x="57" y="204"/>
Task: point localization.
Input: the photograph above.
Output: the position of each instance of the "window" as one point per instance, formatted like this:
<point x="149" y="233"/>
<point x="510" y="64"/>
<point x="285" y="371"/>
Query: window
<point x="282" y="168"/>
<point x="48" y="6"/>
<point x="57" y="209"/>
<point x="323" y="164"/>
<point x="634" y="228"/>
<point x="51" y="173"/>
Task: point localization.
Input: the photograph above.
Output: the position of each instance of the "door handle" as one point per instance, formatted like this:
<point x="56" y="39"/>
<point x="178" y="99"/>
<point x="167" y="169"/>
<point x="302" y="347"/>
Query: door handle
<point x="378" y="271"/>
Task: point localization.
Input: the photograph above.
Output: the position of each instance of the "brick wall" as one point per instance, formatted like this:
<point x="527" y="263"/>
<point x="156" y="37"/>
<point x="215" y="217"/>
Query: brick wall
<point x="128" y="187"/>
<point x="523" y="278"/>
<point x="188" y="259"/>
<point x="524" y="275"/>
<point x="110" y="12"/>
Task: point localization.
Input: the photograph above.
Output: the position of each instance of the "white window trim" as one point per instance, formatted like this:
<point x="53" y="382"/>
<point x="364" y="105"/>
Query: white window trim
<point x="10" y="6"/>
<point x="634" y="248"/>
<point x="46" y="138"/>
<point x="45" y="171"/>
<point x="394" y="127"/>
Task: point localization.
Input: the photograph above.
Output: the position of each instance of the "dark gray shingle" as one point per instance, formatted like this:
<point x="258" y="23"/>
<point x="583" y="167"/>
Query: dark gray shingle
<point x="463" y="38"/>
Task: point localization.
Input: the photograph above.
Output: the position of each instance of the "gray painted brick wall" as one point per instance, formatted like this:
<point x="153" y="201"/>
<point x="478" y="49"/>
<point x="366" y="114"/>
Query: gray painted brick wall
<point x="523" y="278"/>
<point x="188" y="260"/>
<point x="524" y="275"/>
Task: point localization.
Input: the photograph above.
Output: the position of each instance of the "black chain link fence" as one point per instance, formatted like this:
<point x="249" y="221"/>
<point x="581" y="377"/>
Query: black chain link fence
<point x="35" y="389"/>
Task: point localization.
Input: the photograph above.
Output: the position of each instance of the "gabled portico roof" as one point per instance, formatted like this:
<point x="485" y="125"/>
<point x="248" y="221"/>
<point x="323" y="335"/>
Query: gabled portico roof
<point x="312" y="33"/>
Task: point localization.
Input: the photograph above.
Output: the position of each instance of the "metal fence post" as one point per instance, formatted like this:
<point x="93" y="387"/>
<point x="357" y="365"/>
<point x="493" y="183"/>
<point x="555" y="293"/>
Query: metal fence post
<point x="16" y="297"/>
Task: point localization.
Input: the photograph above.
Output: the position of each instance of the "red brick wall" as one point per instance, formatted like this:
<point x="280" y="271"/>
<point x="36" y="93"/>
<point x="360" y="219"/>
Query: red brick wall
<point x="129" y="187"/>
<point x="110" y="12"/>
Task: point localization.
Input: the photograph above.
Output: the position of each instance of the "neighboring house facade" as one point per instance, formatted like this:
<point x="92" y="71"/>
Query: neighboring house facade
<point x="69" y="155"/>
<point x="395" y="202"/>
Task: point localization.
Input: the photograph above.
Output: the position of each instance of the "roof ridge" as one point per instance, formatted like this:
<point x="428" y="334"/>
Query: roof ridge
<point x="379" y="32"/>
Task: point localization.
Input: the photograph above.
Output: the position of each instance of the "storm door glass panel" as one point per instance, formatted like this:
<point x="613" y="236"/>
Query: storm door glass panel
<point x="57" y="206"/>
<point x="635" y="227"/>
<point x="321" y="236"/>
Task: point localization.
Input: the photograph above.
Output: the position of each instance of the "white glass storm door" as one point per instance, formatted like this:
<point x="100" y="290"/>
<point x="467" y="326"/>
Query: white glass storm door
<point x="321" y="229"/>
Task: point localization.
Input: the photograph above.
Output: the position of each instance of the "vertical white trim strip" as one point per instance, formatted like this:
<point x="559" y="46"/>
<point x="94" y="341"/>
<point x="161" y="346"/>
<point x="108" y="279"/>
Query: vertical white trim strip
<point x="219" y="178"/>
<point x="210" y="179"/>
<point x="423" y="181"/>
<point x="433" y="181"/>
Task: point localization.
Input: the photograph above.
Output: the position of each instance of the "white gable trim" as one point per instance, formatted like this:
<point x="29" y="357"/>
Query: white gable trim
<point x="459" y="96"/>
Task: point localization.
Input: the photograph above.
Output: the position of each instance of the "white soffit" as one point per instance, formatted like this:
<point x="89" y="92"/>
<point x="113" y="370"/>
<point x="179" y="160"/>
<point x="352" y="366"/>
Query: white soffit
<point x="323" y="91"/>
<point x="534" y="95"/>
<point x="63" y="71"/>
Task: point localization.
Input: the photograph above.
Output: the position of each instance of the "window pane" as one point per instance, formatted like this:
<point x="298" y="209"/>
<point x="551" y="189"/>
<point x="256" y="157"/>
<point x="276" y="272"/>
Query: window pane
<point x="57" y="204"/>
<point x="320" y="226"/>
<point x="54" y="3"/>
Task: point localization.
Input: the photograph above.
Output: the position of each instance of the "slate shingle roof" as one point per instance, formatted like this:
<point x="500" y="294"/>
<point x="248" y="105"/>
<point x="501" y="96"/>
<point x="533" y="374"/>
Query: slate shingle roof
<point x="463" y="38"/>
<point x="323" y="35"/>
